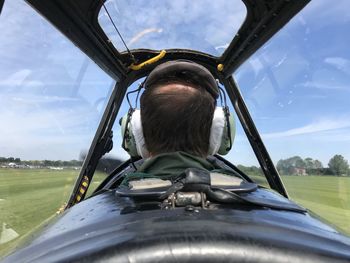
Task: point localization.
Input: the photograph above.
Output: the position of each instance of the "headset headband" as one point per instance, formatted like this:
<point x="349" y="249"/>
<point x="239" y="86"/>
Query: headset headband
<point x="223" y="127"/>
<point x="183" y="70"/>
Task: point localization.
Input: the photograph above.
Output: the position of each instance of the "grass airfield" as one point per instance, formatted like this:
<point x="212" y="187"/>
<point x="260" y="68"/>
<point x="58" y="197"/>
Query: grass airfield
<point x="325" y="196"/>
<point x="30" y="196"/>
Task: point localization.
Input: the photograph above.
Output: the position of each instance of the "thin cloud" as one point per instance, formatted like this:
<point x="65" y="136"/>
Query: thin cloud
<point x="324" y="12"/>
<point x="323" y="86"/>
<point x="16" y="78"/>
<point x="314" y="127"/>
<point x="35" y="127"/>
<point x="184" y="24"/>
<point x="340" y="63"/>
<point x="256" y="65"/>
<point x="144" y="32"/>
<point x="40" y="99"/>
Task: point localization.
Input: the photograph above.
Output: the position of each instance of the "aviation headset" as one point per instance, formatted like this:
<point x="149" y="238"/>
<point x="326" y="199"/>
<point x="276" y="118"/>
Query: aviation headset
<point x="223" y="126"/>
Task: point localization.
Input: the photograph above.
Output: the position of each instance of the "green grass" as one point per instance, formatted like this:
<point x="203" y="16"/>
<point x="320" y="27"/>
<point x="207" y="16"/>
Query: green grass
<point x="28" y="197"/>
<point x="326" y="196"/>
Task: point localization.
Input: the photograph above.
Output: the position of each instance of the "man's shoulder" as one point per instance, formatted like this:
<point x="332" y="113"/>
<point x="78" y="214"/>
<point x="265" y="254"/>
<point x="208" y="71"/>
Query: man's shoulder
<point x="169" y="166"/>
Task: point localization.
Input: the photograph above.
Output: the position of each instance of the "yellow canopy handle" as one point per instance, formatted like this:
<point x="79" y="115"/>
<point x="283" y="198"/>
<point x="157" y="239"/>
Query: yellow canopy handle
<point x="148" y="62"/>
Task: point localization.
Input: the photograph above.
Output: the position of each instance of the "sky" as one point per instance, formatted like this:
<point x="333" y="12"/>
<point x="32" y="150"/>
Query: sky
<point x="296" y="86"/>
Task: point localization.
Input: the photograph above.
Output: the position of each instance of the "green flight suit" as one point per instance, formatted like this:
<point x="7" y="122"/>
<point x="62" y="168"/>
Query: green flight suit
<point x="168" y="166"/>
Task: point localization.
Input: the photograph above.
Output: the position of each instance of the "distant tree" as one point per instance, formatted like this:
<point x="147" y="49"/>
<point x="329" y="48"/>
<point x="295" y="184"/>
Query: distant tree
<point x="36" y="163"/>
<point x="313" y="166"/>
<point x="76" y="163"/>
<point x="326" y="171"/>
<point x="288" y="166"/>
<point x="297" y="162"/>
<point x="282" y="166"/>
<point x="318" y="164"/>
<point x="17" y="160"/>
<point x="11" y="159"/>
<point x="47" y="163"/>
<point x="309" y="163"/>
<point x="338" y="165"/>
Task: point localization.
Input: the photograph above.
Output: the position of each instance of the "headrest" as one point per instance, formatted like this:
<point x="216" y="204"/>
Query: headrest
<point x="185" y="70"/>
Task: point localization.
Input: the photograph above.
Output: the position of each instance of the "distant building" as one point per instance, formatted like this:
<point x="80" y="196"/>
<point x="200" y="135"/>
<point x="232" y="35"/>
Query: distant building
<point x="55" y="168"/>
<point x="15" y="165"/>
<point x="299" y="171"/>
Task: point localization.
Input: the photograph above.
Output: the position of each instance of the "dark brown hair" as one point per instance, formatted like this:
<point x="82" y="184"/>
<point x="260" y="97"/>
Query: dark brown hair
<point x="177" y="119"/>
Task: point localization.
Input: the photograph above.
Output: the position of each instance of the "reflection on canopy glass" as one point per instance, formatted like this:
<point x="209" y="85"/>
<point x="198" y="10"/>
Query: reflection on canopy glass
<point x="297" y="90"/>
<point x="51" y="100"/>
<point x="207" y="26"/>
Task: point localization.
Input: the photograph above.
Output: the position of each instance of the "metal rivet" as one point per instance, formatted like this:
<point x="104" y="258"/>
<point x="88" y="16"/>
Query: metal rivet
<point x="189" y="208"/>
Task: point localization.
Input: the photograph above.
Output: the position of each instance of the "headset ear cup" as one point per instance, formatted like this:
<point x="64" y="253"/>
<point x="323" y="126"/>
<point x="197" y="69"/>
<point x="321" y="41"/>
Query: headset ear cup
<point x="228" y="134"/>
<point x="137" y="132"/>
<point x="216" y="132"/>
<point x="222" y="132"/>
<point x="132" y="134"/>
<point x="128" y="142"/>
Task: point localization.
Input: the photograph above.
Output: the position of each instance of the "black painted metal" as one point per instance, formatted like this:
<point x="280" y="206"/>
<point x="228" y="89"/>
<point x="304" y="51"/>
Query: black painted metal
<point x="236" y="99"/>
<point x="97" y="148"/>
<point x="77" y="20"/>
<point x="254" y="138"/>
<point x="108" y="227"/>
<point x="1" y="5"/>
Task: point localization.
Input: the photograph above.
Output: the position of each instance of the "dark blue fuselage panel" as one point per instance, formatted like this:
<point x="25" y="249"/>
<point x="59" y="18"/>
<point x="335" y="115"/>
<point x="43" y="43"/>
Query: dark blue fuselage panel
<point x="110" y="227"/>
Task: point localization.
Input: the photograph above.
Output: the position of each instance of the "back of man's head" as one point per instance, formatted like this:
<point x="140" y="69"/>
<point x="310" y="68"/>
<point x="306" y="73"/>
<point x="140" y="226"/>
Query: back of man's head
<point x="177" y="108"/>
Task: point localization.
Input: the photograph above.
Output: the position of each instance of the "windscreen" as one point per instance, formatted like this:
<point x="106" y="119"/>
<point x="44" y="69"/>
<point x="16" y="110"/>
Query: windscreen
<point x="207" y="26"/>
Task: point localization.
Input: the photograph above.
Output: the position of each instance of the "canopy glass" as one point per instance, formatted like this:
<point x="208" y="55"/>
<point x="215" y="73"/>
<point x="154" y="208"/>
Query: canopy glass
<point x="207" y="26"/>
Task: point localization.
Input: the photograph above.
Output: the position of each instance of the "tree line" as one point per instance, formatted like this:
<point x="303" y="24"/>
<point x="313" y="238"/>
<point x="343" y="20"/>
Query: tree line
<point x="337" y="166"/>
<point x="106" y="165"/>
<point x="41" y="163"/>
<point x="295" y="165"/>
